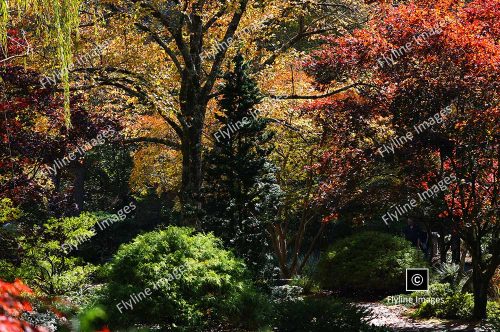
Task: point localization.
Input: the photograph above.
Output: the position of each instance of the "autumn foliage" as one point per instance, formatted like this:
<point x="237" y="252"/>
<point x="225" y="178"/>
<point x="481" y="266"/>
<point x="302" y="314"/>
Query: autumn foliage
<point x="411" y="61"/>
<point x="12" y="305"/>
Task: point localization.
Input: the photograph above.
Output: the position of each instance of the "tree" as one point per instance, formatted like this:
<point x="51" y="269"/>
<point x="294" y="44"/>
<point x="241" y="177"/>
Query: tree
<point x="419" y="59"/>
<point x="44" y="255"/>
<point x="187" y="44"/>
<point x="241" y="194"/>
<point x="471" y="152"/>
<point x="61" y="18"/>
<point x="183" y="48"/>
<point x="34" y="137"/>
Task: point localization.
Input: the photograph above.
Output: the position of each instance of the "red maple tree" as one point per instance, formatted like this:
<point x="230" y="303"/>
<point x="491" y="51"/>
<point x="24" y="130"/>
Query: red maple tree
<point x="409" y="63"/>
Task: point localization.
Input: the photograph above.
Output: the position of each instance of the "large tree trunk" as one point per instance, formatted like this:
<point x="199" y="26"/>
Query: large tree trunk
<point x="191" y="176"/>
<point x="192" y="118"/>
<point x="480" y="285"/>
<point x="480" y="281"/>
<point x="79" y="186"/>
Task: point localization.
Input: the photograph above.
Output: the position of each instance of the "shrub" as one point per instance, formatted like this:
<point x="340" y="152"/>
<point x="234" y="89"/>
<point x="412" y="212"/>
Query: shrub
<point x="192" y="281"/>
<point x="286" y="293"/>
<point x="451" y="305"/>
<point x="320" y="314"/>
<point x="308" y="284"/>
<point x="452" y="274"/>
<point x="12" y="305"/>
<point x="368" y="261"/>
<point x="458" y="305"/>
<point x="45" y="262"/>
<point x="493" y="312"/>
<point x="436" y="290"/>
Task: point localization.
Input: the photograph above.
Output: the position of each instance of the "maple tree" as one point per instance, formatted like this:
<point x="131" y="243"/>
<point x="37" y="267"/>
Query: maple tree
<point x="407" y="65"/>
<point x="34" y="135"/>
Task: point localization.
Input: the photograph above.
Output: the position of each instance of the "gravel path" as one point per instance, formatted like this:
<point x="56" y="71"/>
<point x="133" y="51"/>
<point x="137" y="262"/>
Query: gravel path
<point x="395" y="317"/>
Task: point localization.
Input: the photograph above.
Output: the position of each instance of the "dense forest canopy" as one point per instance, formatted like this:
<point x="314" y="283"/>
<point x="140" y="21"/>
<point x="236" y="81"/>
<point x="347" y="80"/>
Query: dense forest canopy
<point x="228" y="164"/>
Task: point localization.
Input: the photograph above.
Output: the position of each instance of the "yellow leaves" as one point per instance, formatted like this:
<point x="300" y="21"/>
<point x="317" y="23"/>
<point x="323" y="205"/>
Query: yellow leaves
<point x="156" y="169"/>
<point x="8" y="212"/>
<point x="3" y="25"/>
<point x="132" y="101"/>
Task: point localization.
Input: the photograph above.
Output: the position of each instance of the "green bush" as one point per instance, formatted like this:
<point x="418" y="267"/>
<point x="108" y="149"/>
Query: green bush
<point x="493" y="312"/>
<point x="192" y="281"/>
<point x="458" y="305"/>
<point x="46" y="261"/>
<point x="444" y="302"/>
<point x="368" y="262"/>
<point x="320" y="314"/>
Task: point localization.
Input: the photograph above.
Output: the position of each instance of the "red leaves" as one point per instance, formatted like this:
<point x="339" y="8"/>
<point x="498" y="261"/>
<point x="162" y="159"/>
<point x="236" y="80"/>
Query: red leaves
<point x="12" y="305"/>
<point x="104" y="329"/>
<point x="8" y="298"/>
<point x="330" y="217"/>
<point x="428" y="37"/>
<point x="421" y="56"/>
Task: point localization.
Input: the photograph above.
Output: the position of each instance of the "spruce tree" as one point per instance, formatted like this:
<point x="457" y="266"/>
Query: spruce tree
<point x="241" y="192"/>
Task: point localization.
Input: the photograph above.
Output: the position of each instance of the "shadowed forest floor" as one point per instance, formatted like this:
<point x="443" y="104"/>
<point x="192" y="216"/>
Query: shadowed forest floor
<point x="397" y="318"/>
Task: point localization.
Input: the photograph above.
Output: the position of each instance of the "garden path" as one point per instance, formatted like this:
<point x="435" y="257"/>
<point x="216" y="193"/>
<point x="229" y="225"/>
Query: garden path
<point x="396" y="318"/>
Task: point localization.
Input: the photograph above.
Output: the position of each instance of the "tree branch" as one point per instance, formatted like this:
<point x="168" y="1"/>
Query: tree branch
<point x="329" y="94"/>
<point x="230" y="31"/>
<point x="164" y="141"/>
<point x="163" y="45"/>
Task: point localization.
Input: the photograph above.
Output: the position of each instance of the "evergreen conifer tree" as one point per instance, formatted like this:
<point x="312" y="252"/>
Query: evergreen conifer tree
<point x="241" y="192"/>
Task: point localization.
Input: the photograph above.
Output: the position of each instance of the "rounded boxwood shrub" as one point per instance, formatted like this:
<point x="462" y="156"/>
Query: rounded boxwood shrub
<point x="179" y="280"/>
<point x="369" y="262"/>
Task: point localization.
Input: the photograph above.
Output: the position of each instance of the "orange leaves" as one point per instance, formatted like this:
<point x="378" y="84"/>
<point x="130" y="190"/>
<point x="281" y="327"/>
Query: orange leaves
<point x="330" y="217"/>
<point x="12" y="305"/>
<point x="9" y="294"/>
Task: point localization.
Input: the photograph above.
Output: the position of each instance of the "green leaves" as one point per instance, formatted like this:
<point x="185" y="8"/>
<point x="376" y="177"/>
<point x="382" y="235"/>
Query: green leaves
<point x="8" y="212"/>
<point x="192" y="278"/>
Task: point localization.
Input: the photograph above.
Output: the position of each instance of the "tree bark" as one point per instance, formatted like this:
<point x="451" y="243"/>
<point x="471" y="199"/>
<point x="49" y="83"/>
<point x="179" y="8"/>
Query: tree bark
<point x="480" y="279"/>
<point x="455" y="248"/>
<point x="191" y="175"/>
<point x="79" y="186"/>
<point x="443" y="248"/>
<point x="480" y="286"/>
<point x="192" y="118"/>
